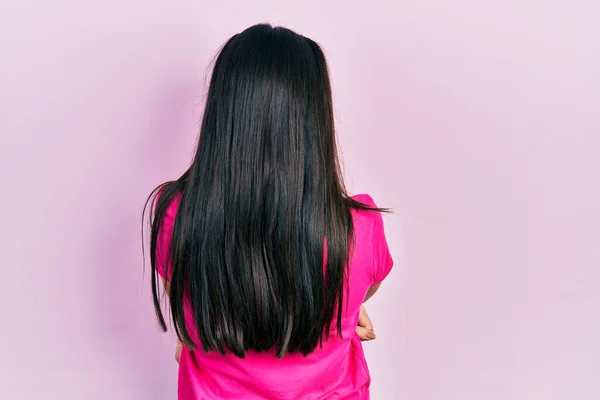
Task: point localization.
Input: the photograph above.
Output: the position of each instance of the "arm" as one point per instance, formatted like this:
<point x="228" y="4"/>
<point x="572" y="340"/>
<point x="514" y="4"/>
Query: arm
<point x="365" y="328"/>
<point x="178" y="351"/>
<point x="163" y="244"/>
<point x="372" y="290"/>
<point x="382" y="264"/>
<point x="165" y="285"/>
<point x="178" y="346"/>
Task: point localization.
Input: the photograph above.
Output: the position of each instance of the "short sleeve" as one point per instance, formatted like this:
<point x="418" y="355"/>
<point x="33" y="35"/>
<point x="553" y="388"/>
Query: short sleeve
<point x="163" y="242"/>
<point x="382" y="259"/>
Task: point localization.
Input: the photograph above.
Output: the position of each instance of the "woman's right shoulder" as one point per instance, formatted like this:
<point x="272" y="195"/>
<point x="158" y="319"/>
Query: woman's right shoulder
<point x="369" y="231"/>
<point x="365" y="199"/>
<point x="364" y="217"/>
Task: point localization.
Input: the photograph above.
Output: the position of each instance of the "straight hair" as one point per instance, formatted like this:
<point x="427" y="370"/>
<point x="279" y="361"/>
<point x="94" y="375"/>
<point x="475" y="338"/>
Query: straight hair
<point x="263" y="233"/>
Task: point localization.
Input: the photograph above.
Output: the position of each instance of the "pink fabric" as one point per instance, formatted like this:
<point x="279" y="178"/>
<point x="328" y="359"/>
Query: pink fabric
<point x="336" y="371"/>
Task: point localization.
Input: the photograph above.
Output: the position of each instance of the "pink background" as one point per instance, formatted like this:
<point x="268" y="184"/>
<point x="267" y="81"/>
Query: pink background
<point x="477" y="121"/>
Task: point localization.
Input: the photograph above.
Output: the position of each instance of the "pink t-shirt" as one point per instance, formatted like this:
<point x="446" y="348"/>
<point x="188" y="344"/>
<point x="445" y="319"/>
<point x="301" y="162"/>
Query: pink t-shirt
<point x="338" y="370"/>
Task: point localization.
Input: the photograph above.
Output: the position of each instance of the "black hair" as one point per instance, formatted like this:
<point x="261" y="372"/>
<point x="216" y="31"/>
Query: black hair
<point x="263" y="232"/>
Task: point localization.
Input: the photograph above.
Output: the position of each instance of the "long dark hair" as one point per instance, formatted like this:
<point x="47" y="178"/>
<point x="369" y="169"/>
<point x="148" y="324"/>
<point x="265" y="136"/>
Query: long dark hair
<point x="263" y="231"/>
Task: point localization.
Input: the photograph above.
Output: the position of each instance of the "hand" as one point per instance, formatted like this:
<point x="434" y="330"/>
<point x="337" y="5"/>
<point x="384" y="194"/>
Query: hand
<point x="178" y="351"/>
<point x="364" y="330"/>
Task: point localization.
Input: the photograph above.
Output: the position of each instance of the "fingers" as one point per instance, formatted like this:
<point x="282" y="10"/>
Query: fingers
<point x="364" y="334"/>
<point x="364" y="330"/>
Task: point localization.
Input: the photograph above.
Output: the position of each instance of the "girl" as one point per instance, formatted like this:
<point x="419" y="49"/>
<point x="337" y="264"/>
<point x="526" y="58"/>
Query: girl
<point x="265" y="258"/>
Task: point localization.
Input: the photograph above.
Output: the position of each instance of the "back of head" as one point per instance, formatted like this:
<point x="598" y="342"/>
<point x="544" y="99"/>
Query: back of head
<point x="263" y="204"/>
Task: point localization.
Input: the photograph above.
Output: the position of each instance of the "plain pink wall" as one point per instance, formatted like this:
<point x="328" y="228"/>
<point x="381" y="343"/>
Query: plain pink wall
<point x="477" y="121"/>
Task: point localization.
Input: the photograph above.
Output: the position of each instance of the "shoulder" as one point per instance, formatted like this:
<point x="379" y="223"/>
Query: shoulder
<point x="169" y="210"/>
<point x="365" y="218"/>
<point x="365" y="199"/>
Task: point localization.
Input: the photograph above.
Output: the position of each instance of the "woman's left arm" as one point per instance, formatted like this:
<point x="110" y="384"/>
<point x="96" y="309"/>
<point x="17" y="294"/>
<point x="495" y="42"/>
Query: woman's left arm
<point x="364" y="329"/>
<point x="178" y="346"/>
